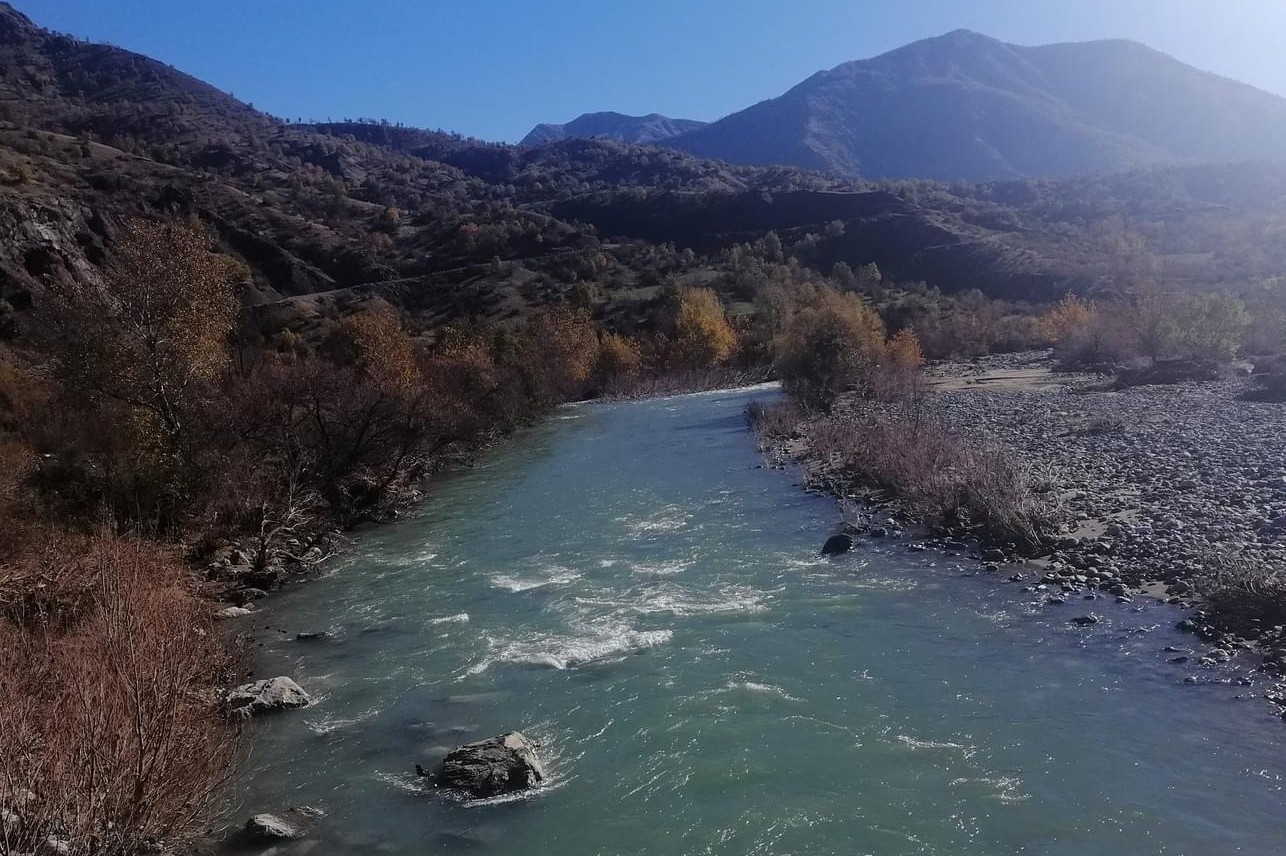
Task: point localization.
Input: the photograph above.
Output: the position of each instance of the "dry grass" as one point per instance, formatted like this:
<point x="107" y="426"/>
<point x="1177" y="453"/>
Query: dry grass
<point x="1242" y="591"/>
<point x="110" y="736"/>
<point x="950" y="481"/>
<point x="775" y="421"/>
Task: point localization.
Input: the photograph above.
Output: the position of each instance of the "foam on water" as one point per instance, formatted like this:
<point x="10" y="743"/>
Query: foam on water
<point x="556" y="575"/>
<point x="458" y="618"/>
<point x="914" y="744"/>
<point x="327" y="726"/>
<point x="757" y="687"/>
<point x="594" y="643"/>
<point x="669" y="519"/>
<point x="673" y="600"/>
<point x="660" y="569"/>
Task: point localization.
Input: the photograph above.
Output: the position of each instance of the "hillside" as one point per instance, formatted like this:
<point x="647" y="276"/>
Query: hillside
<point x="644" y="130"/>
<point x="967" y="107"/>
<point x="91" y="135"/>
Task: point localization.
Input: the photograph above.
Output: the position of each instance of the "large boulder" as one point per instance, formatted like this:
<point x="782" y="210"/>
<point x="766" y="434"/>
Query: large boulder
<point x="837" y="544"/>
<point x="270" y="694"/>
<point x="498" y="765"/>
<point x="269" y="827"/>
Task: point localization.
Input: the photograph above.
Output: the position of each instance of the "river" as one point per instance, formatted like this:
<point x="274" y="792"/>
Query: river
<point x="629" y="586"/>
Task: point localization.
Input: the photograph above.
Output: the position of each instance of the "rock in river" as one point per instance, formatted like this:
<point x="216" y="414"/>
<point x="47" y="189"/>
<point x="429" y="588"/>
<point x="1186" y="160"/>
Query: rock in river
<point x="495" y="766"/>
<point x="837" y="544"/>
<point x="269" y="827"/>
<point x="271" y="694"/>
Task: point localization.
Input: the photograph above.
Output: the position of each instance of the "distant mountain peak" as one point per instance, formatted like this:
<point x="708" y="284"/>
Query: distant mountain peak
<point x="964" y="37"/>
<point x="966" y="106"/>
<point x="643" y="130"/>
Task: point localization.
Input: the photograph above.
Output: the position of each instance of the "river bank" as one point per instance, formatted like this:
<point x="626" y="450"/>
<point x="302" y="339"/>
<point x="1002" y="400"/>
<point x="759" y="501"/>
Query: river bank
<point x="1175" y="492"/>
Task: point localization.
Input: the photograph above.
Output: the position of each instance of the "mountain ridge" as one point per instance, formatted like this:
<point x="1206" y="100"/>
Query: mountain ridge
<point x="649" y="129"/>
<point x="965" y="106"/>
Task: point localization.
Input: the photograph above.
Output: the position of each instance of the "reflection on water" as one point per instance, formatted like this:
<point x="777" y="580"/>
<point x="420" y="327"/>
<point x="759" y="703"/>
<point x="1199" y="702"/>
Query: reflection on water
<point x="629" y="586"/>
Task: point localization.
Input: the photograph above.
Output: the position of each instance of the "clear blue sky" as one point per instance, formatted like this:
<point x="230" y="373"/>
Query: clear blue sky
<point x="494" y="68"/>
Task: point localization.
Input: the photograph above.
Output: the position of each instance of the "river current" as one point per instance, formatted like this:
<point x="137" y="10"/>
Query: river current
<point x="630" y="587"/>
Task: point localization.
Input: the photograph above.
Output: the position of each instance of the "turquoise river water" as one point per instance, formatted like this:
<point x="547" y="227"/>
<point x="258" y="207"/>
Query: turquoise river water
<point x="627" y="585"/>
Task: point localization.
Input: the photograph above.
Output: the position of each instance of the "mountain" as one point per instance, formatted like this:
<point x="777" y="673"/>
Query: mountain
<point x="644" y="130"/>
<point x="322" y="214"/>
<point x="92" y="135"/>
<point x="967" y="107"/>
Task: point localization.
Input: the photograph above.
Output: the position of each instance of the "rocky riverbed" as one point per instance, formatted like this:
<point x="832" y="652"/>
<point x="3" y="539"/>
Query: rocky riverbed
<point x="1160" y="487"/>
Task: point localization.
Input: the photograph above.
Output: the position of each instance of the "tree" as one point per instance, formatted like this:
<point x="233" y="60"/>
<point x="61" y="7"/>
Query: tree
<point x="1211" y="325"/>
<point x="559" y="352"/>
<point x="702" y="335"/>
<point x="844" y="277"/>
<point x="770" y="247"/>
<point x="381" y="347"/>
<point x="153" y="330"/>
<point x="1149" y="315"/>
<point x="830" y="345"/>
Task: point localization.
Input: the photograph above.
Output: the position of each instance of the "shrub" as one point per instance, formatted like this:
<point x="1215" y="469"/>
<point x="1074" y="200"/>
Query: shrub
<point x="777" y="420"/>
<point x="1168" y="372"/>
<point x="952" y="482"/>
<point x="829" y="346"/>
<point x="619" y="358"/>
<point x="1244" y="591"/>
<point x="109" y="731"/>
<point x="1071" y="318"/>
<point x="903" y="350"/>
